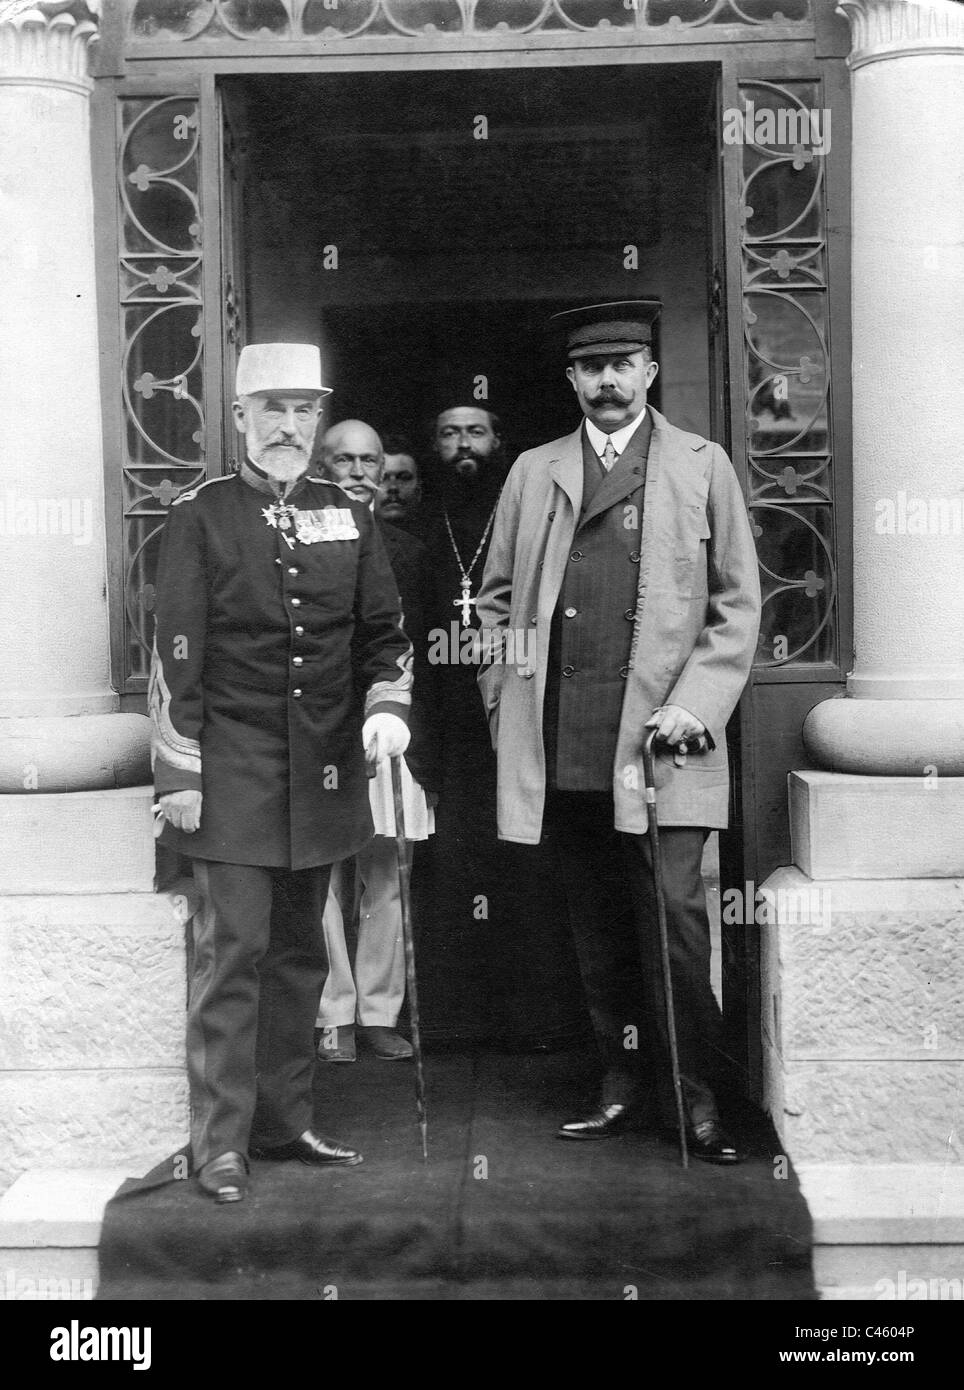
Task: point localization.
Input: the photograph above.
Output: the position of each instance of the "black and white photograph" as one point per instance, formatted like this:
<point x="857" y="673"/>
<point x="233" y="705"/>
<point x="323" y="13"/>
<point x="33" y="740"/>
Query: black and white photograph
<point x="482" y="683"/>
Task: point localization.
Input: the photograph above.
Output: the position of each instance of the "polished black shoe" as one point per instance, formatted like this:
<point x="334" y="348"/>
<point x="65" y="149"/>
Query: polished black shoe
<point x="224" y="1178"/>
<point x="311" y="1148"/>
<point x="710" y="1142"/>
<point x="601" y="1124"/>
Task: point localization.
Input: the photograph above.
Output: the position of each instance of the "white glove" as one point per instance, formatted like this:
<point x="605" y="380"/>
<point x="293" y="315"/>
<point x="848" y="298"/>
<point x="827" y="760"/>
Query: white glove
<point x="384" y="736"/>
<point x="182" y="809"/>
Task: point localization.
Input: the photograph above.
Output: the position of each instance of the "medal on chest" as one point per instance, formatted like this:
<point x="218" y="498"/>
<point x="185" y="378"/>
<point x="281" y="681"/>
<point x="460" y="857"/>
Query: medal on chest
<point x="311" y="526"/>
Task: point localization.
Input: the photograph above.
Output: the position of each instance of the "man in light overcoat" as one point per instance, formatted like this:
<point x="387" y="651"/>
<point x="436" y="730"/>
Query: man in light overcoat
<point x="626" y="547"/>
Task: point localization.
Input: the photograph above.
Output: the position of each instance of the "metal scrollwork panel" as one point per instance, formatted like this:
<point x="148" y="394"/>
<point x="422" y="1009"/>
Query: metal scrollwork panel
<point x="785" y="136"/>
<point x="795" y="546"/>
<point x="249" y="21"/>
<point x="159" y="275"/>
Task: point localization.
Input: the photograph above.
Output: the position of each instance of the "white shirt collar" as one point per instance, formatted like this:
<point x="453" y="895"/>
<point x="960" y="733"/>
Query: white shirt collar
<point x="620" y="437"/>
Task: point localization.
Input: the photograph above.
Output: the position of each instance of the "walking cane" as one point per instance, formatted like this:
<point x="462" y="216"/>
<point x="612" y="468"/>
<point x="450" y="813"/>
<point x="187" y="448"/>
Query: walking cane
<point x="649" y="778"/>
<point x="405" y="893"/>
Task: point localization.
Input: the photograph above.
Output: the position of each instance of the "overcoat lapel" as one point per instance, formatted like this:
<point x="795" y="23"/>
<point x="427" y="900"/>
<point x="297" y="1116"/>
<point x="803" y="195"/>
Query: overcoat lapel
<point x="566" y="470"/>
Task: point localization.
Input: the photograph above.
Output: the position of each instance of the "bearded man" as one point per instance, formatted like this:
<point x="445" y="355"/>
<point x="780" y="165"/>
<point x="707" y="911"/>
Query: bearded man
<point x="279" y="663"/>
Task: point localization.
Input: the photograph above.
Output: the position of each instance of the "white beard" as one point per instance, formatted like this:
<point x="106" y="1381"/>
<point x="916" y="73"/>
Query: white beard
<point x="283" y="466"/>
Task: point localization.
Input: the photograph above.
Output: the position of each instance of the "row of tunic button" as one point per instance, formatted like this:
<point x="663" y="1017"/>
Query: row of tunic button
<point x="293" y="570"/>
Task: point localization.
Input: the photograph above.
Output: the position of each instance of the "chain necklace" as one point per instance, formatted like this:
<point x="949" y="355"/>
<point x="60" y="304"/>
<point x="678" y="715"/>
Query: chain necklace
<point x="465" y="601"/>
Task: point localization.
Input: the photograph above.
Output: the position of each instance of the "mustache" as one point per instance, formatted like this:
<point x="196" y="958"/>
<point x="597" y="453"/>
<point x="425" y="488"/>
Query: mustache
<point x="604" y="396"/>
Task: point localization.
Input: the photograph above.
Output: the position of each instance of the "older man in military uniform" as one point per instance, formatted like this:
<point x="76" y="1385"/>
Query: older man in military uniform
<point x="626" y="545"/>
<point x="280" y="663"/>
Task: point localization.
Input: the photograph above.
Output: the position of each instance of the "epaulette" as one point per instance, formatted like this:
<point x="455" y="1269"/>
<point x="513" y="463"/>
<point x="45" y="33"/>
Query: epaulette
<point x="193" y="492"/>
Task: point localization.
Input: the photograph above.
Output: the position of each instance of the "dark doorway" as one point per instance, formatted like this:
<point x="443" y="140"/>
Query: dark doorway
<point x="422" y="227"/>
<point x="425" y="225"/>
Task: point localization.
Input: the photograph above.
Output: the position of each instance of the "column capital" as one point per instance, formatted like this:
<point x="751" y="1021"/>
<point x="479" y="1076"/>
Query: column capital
<point x="902" y="28"/>
<point x="44" y="43"/>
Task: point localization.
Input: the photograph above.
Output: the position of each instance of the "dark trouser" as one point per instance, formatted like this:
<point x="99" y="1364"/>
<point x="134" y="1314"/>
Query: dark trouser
<point x="259" y="969"/>
<point x="608" y="882"/>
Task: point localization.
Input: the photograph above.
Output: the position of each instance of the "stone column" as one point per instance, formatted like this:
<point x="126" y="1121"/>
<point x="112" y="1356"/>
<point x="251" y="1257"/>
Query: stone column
<point x="863" y="1017"/>
<point x="907" y="687"/>
<point x="92" y="983"/>
<point x="58" y="727"/>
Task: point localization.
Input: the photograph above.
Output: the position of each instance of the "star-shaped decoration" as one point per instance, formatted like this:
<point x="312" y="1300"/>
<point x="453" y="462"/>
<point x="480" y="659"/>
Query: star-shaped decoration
<point x="789" y="480"/>
<point x="141" y="177"/>
<point x="807" y="369"/>
<point x="162" y="279"/>
<point x="165" y="492"/>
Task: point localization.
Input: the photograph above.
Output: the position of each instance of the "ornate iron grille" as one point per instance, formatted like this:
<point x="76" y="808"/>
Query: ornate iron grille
<point x="785" y="136"/>
<point x="160" y="306"/>
<point x="331" y="20"/>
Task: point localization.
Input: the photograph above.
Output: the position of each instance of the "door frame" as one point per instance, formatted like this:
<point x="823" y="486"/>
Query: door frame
<point x="122" y="75"/>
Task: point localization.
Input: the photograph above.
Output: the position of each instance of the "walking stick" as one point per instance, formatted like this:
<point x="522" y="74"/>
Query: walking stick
<point x="405" y="893"/>
<point x="649" y="778"/>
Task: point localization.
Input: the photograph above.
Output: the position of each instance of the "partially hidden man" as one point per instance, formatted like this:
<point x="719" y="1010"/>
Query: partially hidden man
<point x="280" y="662"/>
<point x="626" y="547"/>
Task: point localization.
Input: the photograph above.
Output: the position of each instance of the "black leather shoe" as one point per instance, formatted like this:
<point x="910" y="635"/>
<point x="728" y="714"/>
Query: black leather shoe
<point x="601" y="1124"/>
<point x="311" y="1148"/>
<point x="224" y="1178"/>
<point x="710" y="1142"/>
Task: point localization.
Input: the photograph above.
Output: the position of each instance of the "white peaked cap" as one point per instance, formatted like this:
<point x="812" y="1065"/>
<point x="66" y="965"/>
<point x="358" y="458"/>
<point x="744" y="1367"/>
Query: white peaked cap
<point x="280" y="367"/>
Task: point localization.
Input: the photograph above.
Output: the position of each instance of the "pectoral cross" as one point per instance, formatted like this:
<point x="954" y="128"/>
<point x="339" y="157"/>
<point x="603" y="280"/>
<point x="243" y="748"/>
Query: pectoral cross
<point x="465" y="602"/>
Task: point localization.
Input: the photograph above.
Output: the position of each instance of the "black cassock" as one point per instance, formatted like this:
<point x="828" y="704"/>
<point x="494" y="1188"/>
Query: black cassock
<point x="495" y="959"/>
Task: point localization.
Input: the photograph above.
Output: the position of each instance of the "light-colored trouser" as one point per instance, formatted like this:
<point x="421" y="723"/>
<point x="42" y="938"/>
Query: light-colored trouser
<point x="373" y="995"/>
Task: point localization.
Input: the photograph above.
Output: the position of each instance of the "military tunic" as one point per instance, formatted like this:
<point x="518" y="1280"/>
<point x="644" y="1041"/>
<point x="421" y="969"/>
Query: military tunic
<point x="273" y="643"/>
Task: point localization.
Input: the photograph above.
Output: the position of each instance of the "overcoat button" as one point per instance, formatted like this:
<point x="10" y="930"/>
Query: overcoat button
<point x="296" y="603"/>
<point x="624" y="671"/>
<point x="297" y="661"/>
<point x="571" y="612"/>
<point x="299" y="631"/>
<point x="634" y="558"/>
<point x="296" y="694"/>
<point x="277" y="559"/>
<point x="293" y="569"/>
<point x="552" y="516"/>
<point x="630" y="614"/>
<point x="577" y="555"/>
<point x="568" y="670"/>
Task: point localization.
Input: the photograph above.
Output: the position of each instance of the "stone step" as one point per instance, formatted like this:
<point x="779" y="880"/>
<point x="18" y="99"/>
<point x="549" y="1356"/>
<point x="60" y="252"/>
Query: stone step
<point x="50" y="1222"/>
<point x="887" y="1232"/>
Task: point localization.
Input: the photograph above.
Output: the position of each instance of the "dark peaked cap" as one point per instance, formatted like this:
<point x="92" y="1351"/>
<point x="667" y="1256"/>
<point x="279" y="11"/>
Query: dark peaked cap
<point x="596" y="330"/>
